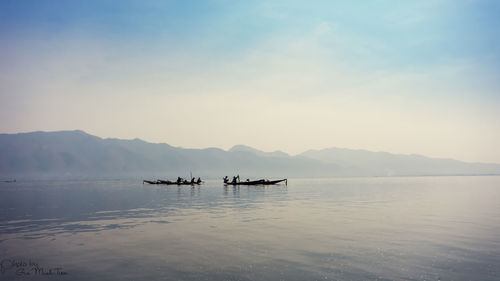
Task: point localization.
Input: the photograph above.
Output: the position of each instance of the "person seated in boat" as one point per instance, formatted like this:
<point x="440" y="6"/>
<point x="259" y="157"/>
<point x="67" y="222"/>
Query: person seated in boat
<point x="198" y="181"/>
<point x="192" y="180"/>
<point x="248" y="180"/>
<point x="226" y="179"/>
<point x="234" y="180"/>
<point x="180" y="180"/>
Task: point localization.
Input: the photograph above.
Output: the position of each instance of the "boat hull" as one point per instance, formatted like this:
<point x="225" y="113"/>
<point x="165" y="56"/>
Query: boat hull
<point x="257" y="182"/>
<point x="170" y="182"/>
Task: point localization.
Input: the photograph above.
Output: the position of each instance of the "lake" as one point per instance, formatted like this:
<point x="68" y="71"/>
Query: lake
<point x="408" y="228"/>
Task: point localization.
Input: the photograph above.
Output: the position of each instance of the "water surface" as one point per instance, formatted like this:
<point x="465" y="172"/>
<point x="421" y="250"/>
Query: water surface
<point x="421" y="228"/>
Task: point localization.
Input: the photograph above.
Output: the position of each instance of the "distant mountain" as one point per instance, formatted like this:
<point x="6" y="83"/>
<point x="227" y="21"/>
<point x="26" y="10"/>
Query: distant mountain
<point x="76" y="154"/>
<point x="244" y="148"/>
<point x="363" y="162"/>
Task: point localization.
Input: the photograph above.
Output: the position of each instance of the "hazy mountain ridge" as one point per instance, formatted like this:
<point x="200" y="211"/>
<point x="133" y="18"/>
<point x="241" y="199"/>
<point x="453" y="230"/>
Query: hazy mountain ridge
<point x="244" y="148"/>
<point x="71" y="154"/>
<point x="384" y="163"/>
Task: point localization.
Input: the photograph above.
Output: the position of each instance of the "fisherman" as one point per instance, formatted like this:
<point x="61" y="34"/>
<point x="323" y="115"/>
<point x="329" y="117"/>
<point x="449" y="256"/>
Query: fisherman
<point x="234" y="179"/>
<point x="179" y="180"/>
<point x="198" y="181"/>
<point x="192" y="180"/>
<point x="226" y="179"/>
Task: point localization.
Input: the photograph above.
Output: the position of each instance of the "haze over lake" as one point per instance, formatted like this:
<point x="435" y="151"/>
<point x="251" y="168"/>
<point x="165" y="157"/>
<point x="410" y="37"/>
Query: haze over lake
<point x="383" y="116"/>
<point x="412" y="228"/>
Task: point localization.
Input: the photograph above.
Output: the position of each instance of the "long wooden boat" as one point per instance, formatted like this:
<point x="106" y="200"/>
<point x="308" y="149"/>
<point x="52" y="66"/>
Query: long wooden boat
<point x="257" y="182"/>
<point x="9" y="181"/>
<point x="245" y="182"/>
<point x="268" y="182"/>
<point x="150" y="182"/>
<point x="167" y="182"/>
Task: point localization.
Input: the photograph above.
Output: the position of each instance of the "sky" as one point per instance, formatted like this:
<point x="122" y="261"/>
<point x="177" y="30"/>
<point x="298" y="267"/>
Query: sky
<point x="410" y="77"/>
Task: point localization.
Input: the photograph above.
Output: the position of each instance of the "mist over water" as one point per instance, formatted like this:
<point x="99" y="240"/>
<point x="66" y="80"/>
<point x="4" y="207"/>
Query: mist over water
<point x="420" y="228"/>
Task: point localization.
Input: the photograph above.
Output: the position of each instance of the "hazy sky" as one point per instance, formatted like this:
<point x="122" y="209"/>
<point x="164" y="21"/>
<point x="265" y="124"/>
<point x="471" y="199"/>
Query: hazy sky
<point x="399" y="76"/>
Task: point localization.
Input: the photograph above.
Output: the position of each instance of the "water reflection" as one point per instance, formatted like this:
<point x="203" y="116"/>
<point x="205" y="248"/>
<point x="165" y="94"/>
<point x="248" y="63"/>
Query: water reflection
<point x="35" y="210"/>
<point x="235" y="191"/>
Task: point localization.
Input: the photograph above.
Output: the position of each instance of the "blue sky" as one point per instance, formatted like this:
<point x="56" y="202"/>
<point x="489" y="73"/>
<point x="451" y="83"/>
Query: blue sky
<point x="404" y="77"/>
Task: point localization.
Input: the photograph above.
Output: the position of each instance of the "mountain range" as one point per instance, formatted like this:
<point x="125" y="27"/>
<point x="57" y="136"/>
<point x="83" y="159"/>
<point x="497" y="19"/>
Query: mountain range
<point x="76" y="154"/>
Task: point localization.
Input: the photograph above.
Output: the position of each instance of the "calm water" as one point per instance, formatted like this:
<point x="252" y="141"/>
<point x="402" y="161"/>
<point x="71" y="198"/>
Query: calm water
<point x="426" y="228"/>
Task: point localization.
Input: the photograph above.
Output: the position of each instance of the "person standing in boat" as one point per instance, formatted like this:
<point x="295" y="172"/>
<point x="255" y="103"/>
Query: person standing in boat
<point x="236" y="179"/>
